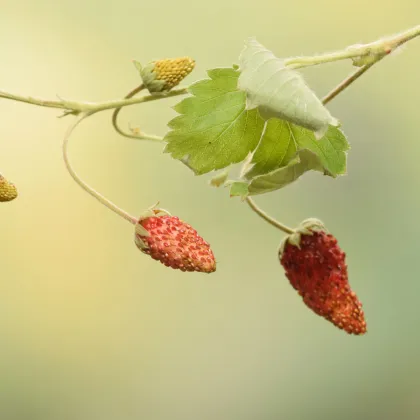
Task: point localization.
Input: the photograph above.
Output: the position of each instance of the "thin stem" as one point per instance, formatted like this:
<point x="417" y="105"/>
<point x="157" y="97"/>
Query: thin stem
<point x="268" y="218"/>
<point x="346" y="83"/>
<point x="141" y="136"/>
<point x="83" y="184"/>
<point x="300" y="62"/>
<point x="103" y="106"/>
<point x="32" y="101"/>
<point x="91" y="107"/>
<point x="406" y="36"/>
<point x="377" y="49"/>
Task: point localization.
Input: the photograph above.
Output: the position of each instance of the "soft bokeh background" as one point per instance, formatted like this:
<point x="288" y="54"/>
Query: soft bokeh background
<point x="92" y="329"/>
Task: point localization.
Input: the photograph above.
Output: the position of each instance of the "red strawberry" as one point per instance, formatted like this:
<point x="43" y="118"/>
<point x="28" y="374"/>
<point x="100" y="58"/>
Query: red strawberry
<point x="315" y="266"/>
<point x="173" y="242"/>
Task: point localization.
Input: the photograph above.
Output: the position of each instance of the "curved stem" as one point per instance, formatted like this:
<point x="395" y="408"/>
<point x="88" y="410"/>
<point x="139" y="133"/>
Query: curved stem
<point x="141" y="136"/>
<point x="268" y="218"/>
<point x="83" y="184"/>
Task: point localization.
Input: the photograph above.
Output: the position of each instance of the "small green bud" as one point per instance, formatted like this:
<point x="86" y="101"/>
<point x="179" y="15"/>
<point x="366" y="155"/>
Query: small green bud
<point x="162" y="75"/>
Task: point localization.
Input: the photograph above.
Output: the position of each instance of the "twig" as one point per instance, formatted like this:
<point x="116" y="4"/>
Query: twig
<point x="91" y="107"/>
<point x="346" y="83"/>
<point x="377" y="49"/>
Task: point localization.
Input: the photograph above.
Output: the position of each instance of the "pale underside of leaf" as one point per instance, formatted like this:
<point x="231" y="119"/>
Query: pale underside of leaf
<point x="280" y="92"/>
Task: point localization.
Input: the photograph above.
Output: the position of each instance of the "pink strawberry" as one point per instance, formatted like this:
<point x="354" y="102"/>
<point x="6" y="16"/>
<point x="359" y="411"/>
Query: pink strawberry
<point x="315" y="266"/>
<point x="173" y="242"/>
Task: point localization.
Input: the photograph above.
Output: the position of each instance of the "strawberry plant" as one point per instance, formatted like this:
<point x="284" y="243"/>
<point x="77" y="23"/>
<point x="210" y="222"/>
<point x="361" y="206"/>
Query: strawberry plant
<point x="258" y="113"/>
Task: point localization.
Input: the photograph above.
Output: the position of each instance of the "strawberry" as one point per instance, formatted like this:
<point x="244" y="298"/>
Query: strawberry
<point x="173" y="242"/>
<point x="315" y="266"/>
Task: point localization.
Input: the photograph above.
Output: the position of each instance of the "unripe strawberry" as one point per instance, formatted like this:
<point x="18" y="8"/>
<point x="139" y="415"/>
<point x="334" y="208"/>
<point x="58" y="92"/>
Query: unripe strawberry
<point x="315" y="266"/>
<point x="8" y="191"/>
<point x="163" y="75"/>
<point x="173" y="242"/>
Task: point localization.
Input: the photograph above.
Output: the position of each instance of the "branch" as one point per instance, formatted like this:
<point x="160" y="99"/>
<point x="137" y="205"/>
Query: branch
<point x="374" y="50"/>
<point x="90" y="107"/>
<point x="346" y="83"/>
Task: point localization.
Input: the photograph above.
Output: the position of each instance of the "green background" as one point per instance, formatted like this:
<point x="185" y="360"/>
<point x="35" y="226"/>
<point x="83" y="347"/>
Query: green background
<point x="92" y="329"/>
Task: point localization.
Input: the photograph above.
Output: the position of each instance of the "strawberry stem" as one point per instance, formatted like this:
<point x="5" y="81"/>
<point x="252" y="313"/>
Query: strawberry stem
<point x="268" y="218"/>
<point x="83" y="184"/>
<point x="139" y="136"/>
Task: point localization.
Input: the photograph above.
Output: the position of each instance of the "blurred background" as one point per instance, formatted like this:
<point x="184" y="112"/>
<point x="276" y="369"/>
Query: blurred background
<point x="92" y="329"/>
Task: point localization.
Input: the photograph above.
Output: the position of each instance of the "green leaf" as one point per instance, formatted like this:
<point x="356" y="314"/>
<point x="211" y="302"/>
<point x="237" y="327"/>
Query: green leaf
<point x="277" y="148"/>
<point x="331" y="149"/>
<point x="280" y="92"/>
<point x="282" y="139"/>
<point x="306" y="161"/>
<point x="239" y="189"/>
<point x="214" y="129"/>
